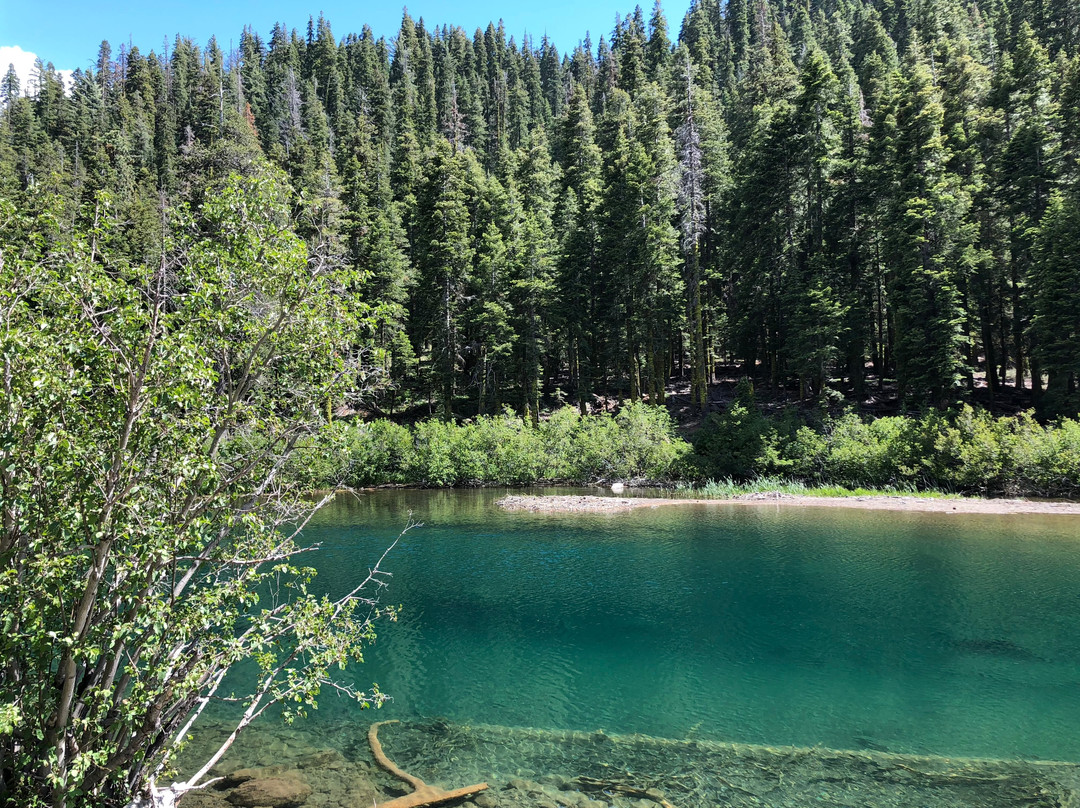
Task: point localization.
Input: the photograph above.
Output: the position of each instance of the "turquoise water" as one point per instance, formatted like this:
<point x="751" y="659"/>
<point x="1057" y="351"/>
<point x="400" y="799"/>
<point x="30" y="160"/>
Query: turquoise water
<point x="848" y="629"/>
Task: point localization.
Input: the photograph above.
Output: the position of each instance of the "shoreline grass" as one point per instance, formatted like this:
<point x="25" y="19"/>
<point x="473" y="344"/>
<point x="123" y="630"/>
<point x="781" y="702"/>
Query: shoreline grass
<point x="730" y="489"/>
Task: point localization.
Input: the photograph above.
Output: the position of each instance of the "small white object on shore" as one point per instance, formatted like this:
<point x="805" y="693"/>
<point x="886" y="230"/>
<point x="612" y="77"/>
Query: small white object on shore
<point x="617" y="488"/>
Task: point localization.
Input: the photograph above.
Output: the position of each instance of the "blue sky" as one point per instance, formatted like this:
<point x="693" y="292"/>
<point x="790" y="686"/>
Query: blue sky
<point x="68" y="33"/>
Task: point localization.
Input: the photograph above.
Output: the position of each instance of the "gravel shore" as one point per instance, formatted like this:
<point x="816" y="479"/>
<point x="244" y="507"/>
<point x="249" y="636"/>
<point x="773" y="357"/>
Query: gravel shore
<point x="593" y="504"/>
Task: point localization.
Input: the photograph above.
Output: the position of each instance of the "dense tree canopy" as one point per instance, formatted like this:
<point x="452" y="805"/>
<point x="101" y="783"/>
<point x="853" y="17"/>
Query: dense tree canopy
<point x="819" y="191"/>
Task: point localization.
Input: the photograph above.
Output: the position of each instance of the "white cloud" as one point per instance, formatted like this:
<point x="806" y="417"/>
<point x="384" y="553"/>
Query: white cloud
<point x="24" y="67"/>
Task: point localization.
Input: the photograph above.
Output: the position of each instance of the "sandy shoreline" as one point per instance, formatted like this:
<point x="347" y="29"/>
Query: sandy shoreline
<point x="591" y="504"/>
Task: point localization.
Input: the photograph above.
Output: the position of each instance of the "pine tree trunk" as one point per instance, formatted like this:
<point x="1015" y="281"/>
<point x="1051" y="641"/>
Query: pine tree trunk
<point x="1017" y="328"/>
<point x="698" y="384"/>
<point x="989" y="358"/>
<point x="480" y="399"/>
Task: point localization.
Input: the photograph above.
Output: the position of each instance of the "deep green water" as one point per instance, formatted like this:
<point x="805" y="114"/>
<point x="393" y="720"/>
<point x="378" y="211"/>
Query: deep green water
<point x="937" y="634"/>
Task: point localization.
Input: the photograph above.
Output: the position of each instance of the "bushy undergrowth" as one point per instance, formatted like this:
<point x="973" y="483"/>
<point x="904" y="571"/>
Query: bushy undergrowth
<point x="639" y="443"/>
<point x="968" y="451"/>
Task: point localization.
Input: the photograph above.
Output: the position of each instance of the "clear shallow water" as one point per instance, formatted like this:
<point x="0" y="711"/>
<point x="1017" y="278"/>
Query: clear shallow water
<point x="848" y="629"/>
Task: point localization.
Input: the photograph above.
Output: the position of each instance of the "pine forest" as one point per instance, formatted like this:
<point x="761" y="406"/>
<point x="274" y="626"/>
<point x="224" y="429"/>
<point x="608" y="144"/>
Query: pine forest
<point x="875" y="200"/>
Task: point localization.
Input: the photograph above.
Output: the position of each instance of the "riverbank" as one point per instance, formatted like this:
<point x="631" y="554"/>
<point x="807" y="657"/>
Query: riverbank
<point x="592" y="504"/>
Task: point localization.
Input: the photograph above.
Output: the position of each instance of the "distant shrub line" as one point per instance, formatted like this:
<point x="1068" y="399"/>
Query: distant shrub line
<point x="967" y="451"/>
<point x="639" y="443"/>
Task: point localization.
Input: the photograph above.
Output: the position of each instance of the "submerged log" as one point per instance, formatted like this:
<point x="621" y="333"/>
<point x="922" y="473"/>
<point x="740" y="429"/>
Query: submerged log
<point x="423" y="794"/>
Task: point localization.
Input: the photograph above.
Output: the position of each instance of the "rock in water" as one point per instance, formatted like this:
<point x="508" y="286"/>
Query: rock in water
<point x="239" y="776"/>
<point x="270" y="792"/>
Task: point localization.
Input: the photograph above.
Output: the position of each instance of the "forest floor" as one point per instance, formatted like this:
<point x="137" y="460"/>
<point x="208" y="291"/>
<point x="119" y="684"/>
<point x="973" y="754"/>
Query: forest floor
<point x="592" y="504"/>
<point x="877" y="398"/>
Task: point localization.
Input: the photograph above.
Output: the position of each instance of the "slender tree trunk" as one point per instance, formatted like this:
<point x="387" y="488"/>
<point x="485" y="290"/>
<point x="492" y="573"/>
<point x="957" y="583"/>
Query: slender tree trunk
<point x="1017" y="333"/>
<point x="990" y="358"/>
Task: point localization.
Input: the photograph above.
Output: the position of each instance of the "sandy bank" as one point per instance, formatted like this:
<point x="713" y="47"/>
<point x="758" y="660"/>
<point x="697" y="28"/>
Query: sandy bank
<point x="588" y="504"/>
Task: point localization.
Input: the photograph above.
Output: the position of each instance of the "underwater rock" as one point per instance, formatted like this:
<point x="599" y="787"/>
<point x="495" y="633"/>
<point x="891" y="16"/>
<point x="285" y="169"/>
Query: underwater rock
<point x="238" y="776"/>
<point x="573" y="799"/>
<point x="528" y="786"/>
<point x="322" y="759"/>
<point x="270" y="792"/>
<point x="486" y="800"/>
<point x="202" y="799"/>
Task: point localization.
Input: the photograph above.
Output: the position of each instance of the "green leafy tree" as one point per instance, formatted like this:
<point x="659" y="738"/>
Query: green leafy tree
<point x="146" y="415"/>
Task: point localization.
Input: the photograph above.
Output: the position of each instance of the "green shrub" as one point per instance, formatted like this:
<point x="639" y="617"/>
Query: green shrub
<point x="733" y="443"/>
<point x="559" y="436"/>
<point x="505" y="451"/>
<point x="646" y="443"/>
<point x="639" y="443"/>
<point x="967" y="451"/>
<point x="379" y="453"/>
<point x="1047" y="458"/>
<point x="974" y="452"/>
<point x="433" y="461"/>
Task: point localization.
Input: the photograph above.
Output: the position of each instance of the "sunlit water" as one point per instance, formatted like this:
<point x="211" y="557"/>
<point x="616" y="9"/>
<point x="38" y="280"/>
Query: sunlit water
<point x="905" y="632"/>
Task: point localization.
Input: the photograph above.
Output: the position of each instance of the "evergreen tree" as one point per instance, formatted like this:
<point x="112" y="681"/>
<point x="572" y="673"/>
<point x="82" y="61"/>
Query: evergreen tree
<point x="654" y="177"/>
<point x="1056" y="304"/>
<point x="444" y="255"/>
<point x="577" y="216"/>
<point x="628" y="44"/>
<point x="1026" y="175"/>
<point x="533" y="281"/>
<point x="693" y="222"/>
<point x="813" y="340"/>
<point x="658" y="48"/>
<point x="928" y="240"/>
<point x="9" y="88"/>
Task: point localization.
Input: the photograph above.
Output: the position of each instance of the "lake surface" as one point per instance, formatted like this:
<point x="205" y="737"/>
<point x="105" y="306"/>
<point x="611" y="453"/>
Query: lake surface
<point x="848" y="629"/>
